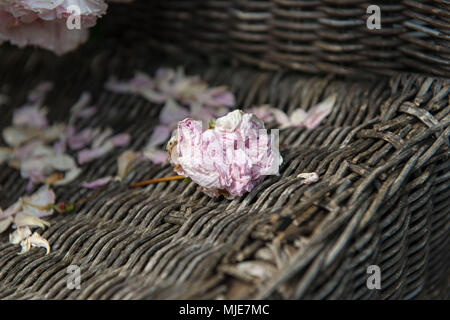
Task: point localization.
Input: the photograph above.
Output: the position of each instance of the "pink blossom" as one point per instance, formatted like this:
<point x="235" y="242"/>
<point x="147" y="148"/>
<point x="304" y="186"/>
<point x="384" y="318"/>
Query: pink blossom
<point x="229" y="159"/>
<point x="97" y="183"/>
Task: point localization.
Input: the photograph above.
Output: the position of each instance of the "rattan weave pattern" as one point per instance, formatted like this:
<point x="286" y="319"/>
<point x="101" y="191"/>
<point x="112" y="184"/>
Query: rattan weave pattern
<point x="382" y="198"/>
<point x="314" y="36"/>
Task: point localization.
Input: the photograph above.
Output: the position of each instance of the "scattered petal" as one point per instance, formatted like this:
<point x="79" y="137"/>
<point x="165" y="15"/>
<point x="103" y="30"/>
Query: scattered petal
<point x="35" y="205"/>
<point x="31" y="117"/>
<point x="229" y="159"/>
<point x="69" y="177"/>
<point x="88" y="155"/>
<point x="309" y="177"/>
<point x="81" y="139"/>
<point x="37" y="241"/>
<point x="121" y="140"/>
<point x="97" y="183"/>
<point x="159" y="135"/>
<point x="12" y="210"/>
<point x="25" y="245"/>
<point x="19" y="234"/>
<point x="39" y="92"/>
<point x="156" y="156"/>
<point x="172" y="112"/>
<point x="125" y="163"/>
<point x="23" y="220"/>
<point x="15" y="136"/>
<point x="319" y="112"/>
<point x="101" y="138"/>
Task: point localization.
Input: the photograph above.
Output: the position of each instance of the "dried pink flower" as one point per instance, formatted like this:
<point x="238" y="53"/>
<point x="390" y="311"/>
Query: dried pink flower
<point x="230" y="158"/>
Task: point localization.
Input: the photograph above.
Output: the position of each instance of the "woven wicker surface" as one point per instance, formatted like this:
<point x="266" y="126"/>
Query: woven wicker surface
<point x="314" y="36"/>
<point x="382" y="198"/>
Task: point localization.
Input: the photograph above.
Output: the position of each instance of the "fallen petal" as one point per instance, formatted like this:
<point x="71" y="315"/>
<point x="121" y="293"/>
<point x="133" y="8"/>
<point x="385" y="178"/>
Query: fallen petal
<point x="97" y="183"/>
<point x="31" y="117"/>
<point x="121" y="140"/>
<point x="298" y="117"/>
<point x="172" y="112"/>
<point x="37" y="241"/>
<point x="156" y="156"/>
<point x="125" y="163"/>
<point x="24" y="220"/>
<point x="15" y="136"/>
<point x="309" y="177"/>
<point x="70" y="176"/>
<point x="160" y="135"/>
<point x="26" y="245"/>
<point x="319" y="112"/>
<point x="19" y="234"/>
<point x="12" y="210"/>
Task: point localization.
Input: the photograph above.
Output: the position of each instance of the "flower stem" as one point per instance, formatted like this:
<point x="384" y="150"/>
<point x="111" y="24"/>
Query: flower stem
<point x="147" y="182"/>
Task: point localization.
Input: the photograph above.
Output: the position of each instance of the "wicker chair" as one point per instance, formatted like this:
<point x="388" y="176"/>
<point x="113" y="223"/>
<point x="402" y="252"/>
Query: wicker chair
<point x="382" y="156"/>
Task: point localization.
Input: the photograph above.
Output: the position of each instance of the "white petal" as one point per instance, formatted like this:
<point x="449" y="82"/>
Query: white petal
<point x="37" y="241"/>
<point x="70" y="176"/>
<point x="125" y="163"/>
<point x="298" y="117"/>
<point x="15" y="136"/>
<point x="23" y="220"/>
<point x="317" y="113"/>
<point x="19" y="234"/>
<point x="26" y="245"/>
<point x="229" y="122"/>
<point x="309" y="177"/>
<point x="41" y="198"/>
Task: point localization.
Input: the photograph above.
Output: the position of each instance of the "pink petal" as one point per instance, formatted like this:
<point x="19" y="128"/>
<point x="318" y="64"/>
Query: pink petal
<point x="156" y="156"/>
<point x="97" y="183"/>
<point x="30" y="116"/>
<point x="217" y="97"/>
<point x="121" y="140"/>
<point x="43" y="197"/>
<point x="319" y="112"/>
<point x="172" y="112"/>
<point x="159" y="135"/>
<point x="87" y="155"/>
<point x="81" y="139"/>
<point x="87" y="113"/>
<point x="280" y="117"/>
<point x="298" y="117"/>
